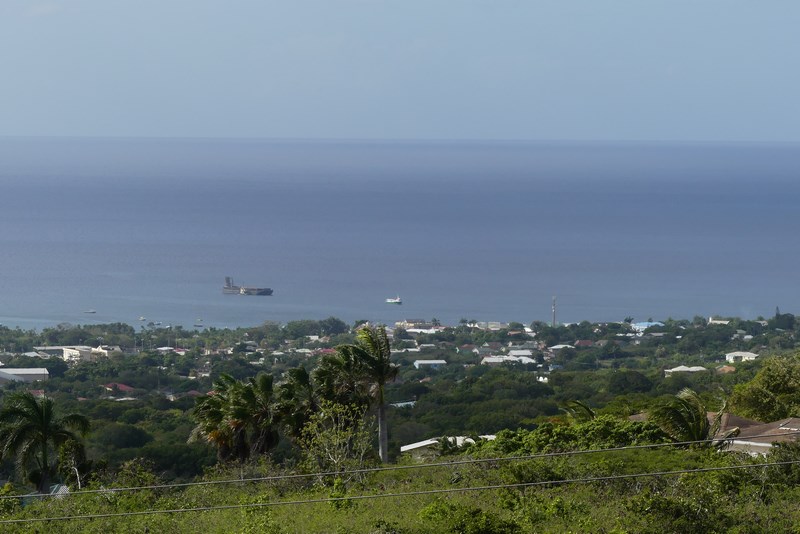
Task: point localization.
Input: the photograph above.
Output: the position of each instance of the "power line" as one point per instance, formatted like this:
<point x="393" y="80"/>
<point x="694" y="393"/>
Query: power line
<point x="395" y="495"/>
<point x="395" y="468"/>
<point x="295" y="476"/>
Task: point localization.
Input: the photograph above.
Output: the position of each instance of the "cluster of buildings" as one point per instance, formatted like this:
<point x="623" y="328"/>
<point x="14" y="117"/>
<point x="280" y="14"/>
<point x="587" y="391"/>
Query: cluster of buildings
<point x="75" y="353"/>
<point x="731" y="357"/>
<point x="70" y="354"/>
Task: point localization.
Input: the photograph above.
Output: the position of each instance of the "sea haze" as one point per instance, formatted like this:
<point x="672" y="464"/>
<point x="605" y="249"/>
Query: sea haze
<point x="486" y="231"/>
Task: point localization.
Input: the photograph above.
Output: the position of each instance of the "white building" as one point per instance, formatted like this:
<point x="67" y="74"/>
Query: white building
<point x="23" y="375"/>
<point x="431" y="447"/>
<point x="78" y="354"/>
<point x="430" y="364"/>
<point x="684" y="369"/>
<point x="740" y="356"/>
<point x="498" y="360"/>
<point x="69" y="353"/>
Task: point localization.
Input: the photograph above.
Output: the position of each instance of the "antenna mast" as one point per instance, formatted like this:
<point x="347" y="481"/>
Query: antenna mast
<point x="554" y="312"/>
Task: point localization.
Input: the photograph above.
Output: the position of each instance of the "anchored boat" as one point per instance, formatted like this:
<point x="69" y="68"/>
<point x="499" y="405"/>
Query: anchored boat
<point x="232" y="289"/>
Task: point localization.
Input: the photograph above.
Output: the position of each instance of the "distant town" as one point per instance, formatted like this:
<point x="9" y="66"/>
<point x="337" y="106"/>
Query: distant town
<point x="546" y="347"/>
<point x="169" y="398"/>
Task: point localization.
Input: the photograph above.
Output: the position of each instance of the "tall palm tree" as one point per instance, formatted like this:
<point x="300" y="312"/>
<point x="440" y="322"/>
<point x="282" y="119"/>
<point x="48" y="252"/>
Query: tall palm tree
<point x="31" y="431"/>
<point x="685" y="418"/>
<point x="372" y="352"/>
<point x="341" y="378"/>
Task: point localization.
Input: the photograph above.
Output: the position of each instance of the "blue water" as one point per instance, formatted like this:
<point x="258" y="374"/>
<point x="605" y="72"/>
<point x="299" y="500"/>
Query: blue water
<point x="486" y="231"/>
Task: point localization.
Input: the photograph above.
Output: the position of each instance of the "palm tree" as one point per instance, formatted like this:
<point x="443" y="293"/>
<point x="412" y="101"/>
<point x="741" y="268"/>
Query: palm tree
<point x="256" y="409"/>
<point x="341" y="378"/>
<point x="372" y="352"/>
<point x="31" y="431"/>
<point x="214" y="422"/>
<point x="238" y="418"/>
<point x="298" y="400"/>
<point x="685" y="418"/>
<point x="579" y="411"/>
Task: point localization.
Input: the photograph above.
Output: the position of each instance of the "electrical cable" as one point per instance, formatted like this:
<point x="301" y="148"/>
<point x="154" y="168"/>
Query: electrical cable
<point x="394" y="495"/>
<point x="275" y="478"/>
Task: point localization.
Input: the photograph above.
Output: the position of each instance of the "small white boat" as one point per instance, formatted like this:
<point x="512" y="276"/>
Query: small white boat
<point x="90" y="311"/>
<point x="396" y="300"/>
<point x="142" y="318"/>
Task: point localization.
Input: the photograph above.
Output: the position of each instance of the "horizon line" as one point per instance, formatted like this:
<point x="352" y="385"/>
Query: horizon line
<point x="386" y="140"/>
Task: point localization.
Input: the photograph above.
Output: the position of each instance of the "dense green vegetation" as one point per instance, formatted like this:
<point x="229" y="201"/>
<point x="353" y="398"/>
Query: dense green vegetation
<point x="315" y="397"/>
<point x="592" y="492"/>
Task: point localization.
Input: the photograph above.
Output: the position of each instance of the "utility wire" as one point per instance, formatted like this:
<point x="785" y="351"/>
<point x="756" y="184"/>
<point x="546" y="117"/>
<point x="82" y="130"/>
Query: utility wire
<point x="470" y="461"/>
<point x="394" y="495"/>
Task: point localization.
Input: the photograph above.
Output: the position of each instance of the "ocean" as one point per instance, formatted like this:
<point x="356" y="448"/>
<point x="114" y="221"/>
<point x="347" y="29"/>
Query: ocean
<point x="486" y="231"/>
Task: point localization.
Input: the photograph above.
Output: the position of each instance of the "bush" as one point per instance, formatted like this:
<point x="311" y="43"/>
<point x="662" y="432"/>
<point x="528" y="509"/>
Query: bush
<point x="463" y="519"/>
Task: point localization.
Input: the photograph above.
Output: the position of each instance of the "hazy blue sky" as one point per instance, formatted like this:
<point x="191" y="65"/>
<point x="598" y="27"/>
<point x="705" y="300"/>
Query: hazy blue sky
<point x="388" y="69"/>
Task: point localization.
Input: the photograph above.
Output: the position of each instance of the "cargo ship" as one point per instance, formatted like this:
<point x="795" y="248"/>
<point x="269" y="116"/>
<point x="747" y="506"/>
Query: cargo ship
<point x="231" y="289"/>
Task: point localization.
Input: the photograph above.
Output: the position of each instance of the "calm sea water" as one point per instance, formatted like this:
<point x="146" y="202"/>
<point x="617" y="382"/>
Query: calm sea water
<point x="486" y="231"/>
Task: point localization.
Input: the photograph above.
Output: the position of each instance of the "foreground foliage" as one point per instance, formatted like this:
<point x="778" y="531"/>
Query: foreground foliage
<point x="40" y="440"/>
<point x="593" y="492"/>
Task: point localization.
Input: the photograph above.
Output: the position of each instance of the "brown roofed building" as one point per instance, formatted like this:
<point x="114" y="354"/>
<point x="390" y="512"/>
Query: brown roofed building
<point x="758" y="439"/>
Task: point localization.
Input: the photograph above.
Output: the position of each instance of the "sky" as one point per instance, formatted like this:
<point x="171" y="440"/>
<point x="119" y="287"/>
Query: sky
<point x="656" y="70"/>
